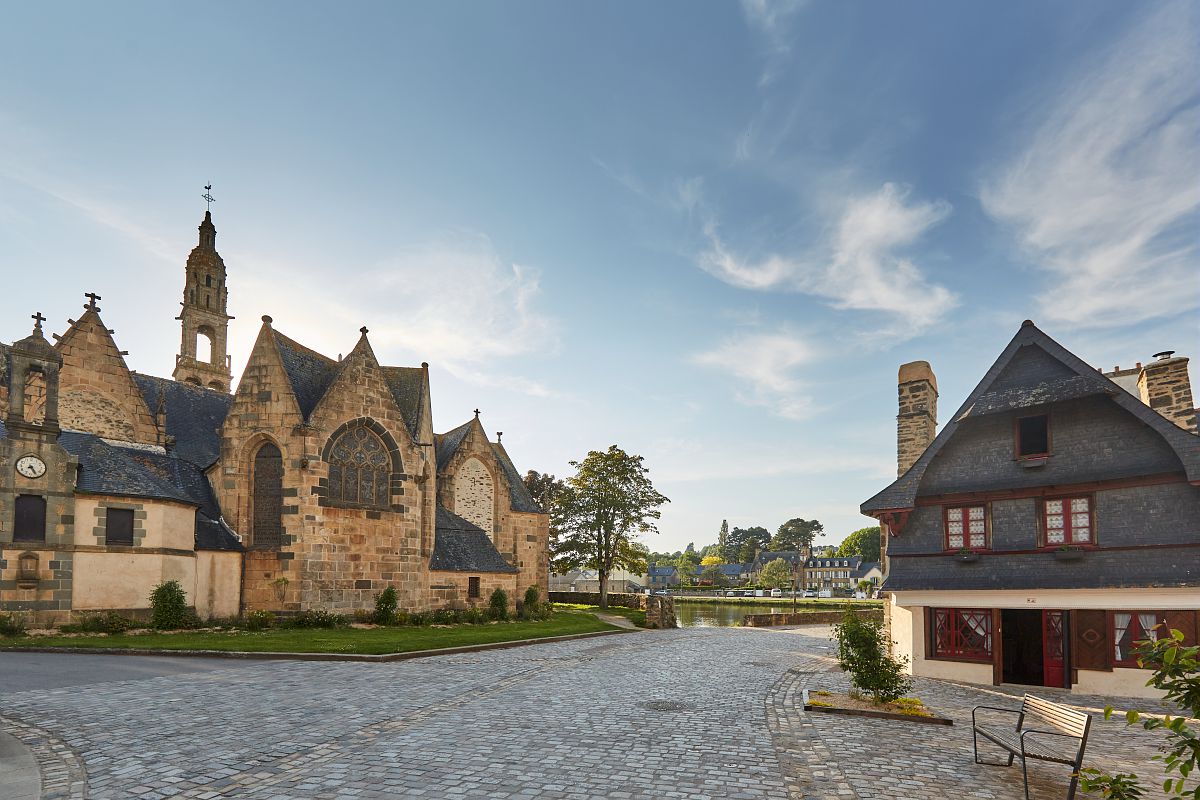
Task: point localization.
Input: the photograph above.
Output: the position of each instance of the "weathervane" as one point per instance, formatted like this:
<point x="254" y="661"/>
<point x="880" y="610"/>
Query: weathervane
<point x="208" y="198"/>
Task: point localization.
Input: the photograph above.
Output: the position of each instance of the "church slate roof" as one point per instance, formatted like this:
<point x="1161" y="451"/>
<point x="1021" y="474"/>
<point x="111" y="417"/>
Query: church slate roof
<point x="309" y="372"/>
<point x="518" y="493"/>
<point x="194" y="416"/>
<point x="462" y="546"/>
<point x="407" y="385"/>
<point x="902" y="493"/>
<point x="449" y="442"/>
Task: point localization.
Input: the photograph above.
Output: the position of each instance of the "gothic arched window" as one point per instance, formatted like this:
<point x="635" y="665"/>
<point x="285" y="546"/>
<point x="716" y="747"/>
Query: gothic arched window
<point x="360" y="468"/>
<point x="267" y="522"/>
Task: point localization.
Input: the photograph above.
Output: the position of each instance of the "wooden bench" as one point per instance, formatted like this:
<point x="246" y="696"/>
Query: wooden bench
<point x="1044" y="731"/>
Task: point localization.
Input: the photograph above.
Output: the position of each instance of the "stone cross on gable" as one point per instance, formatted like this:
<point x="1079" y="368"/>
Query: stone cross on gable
<point x="38" y="319"/>
<point x="92" y="298"/>
<point x="477" y="413"/>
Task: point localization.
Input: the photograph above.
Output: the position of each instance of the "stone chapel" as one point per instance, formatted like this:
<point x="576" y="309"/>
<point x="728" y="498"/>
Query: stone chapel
<point x="316" y="484"/>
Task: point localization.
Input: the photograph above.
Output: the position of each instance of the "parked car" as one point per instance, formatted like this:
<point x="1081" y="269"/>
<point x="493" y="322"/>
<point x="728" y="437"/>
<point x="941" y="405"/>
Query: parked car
<point x="776" y="593"/>
<point x="810" y="593"/>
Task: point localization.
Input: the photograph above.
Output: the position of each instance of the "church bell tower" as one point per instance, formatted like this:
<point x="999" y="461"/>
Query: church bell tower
<point x="204" y="318"/>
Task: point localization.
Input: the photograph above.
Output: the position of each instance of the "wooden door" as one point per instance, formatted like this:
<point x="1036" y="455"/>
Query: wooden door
<point x="1053" y="665"/>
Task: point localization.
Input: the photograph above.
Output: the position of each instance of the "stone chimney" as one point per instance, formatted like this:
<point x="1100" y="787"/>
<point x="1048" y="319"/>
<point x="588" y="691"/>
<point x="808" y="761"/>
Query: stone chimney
<point x="1164" y="386"/>
<point x="916" y="424"/>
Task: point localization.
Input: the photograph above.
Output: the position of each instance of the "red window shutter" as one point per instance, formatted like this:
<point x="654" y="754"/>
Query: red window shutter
<point x="1091" y="647"/>
<point x="1184" y="621"/>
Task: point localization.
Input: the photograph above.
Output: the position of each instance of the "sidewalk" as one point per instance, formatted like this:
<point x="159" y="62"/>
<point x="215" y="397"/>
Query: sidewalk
<point x="19" y="778"/>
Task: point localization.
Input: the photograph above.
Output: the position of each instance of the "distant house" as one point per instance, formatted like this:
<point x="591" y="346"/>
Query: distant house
<point x="588" y="580"/>
<point x="730" y="573"/>
<point x="794" y="558"/>
<point x="839" y="572"/>
<point x="660" y="577"/>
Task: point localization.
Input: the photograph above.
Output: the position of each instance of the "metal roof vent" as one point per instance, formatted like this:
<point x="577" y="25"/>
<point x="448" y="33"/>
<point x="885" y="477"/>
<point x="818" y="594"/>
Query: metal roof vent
<point x="1164" y="355"/>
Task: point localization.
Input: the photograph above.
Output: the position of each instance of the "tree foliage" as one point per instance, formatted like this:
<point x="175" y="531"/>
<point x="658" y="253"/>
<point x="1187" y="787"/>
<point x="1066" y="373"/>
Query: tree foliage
<point x="723" y="541"/>
<point x="601" y="509"/>
<point x="545" y="488"/>
<point x="712" y="574"/>
<point x="1177" y="674"/>
<point x="863" y="653"/>
<point x="863" y="542"/>
<point x="776" y="574"/>
<point x="710" y="561"/>
<point x="747" y="543"/>
<point x="797" y="534"/>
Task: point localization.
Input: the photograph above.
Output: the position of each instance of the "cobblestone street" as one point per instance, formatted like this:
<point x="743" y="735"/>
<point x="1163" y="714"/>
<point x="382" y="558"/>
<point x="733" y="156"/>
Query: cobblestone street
<point x="694" y="713"/>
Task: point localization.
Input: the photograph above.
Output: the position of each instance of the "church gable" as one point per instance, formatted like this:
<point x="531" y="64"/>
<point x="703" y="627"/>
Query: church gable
<point x="97" y="392"/>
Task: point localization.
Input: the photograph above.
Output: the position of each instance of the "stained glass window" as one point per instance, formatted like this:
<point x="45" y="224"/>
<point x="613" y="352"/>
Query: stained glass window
<point x="359" y="469"/>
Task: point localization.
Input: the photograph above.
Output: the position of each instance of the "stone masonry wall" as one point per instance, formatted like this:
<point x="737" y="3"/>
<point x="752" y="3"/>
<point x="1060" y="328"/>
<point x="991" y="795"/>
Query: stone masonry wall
<point x="475" y="494"/>
<point x="1164" y="386"/>
<point x="96" y="390"/>
<point x="916" y="420"/>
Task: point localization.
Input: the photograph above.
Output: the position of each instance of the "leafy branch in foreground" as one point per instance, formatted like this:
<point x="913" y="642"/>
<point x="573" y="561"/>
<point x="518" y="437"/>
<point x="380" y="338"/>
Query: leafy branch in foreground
<point x="1177" y="673"/>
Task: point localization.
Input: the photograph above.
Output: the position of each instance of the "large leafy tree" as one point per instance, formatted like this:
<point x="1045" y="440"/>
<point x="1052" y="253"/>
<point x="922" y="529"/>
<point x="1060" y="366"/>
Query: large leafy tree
<point x="797" y="534"/>
<point x="776" y="574"/>
<point x="747" y="542"/>
<point x="686" y="565"/>
<point x="723" y="541"/>
<point x="601" y="509"/>
<point x="863" y="542"/>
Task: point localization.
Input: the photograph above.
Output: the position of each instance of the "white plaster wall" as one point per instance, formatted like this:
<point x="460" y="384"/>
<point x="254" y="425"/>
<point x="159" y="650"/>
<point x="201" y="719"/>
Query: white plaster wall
<point x="218" y="587"/>
<point x="475" y="494"/>
<point x="125" y="580"/>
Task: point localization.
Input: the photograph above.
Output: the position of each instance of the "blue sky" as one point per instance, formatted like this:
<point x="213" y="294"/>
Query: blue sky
<point x="707" y="232"/>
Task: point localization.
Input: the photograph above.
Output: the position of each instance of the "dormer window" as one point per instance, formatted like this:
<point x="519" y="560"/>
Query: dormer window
<point x="1033" y="436"/>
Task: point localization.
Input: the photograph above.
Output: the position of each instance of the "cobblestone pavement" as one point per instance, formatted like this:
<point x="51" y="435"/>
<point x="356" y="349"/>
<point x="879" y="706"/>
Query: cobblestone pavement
<point x="696" y="713"/>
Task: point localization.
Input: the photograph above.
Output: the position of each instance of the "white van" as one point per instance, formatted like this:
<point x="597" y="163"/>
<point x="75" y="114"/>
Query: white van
<point x="776" y="593"/>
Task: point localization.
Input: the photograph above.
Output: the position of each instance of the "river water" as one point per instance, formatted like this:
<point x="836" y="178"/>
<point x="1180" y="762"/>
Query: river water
<point x="722" y="615"/>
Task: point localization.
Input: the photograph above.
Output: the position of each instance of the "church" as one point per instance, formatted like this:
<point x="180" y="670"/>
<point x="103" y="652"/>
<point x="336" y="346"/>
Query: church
<point x="316" y="484"/>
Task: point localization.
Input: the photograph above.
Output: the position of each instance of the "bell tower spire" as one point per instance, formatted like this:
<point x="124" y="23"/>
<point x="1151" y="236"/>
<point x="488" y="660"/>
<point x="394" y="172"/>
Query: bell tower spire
<point x="203" y="358"/>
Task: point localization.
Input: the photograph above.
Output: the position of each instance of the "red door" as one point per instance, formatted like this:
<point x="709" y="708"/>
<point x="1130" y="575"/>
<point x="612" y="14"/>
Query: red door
<point x="1053" y="673"/>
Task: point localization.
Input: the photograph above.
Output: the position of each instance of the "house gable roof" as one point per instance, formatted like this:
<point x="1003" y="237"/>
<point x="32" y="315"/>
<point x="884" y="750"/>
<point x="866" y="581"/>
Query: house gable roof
<point x="1074" y="379"/>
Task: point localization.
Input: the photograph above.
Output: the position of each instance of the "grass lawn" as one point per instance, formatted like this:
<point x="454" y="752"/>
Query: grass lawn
<point x="369" y="641"/>
<point x="636" y="616"/>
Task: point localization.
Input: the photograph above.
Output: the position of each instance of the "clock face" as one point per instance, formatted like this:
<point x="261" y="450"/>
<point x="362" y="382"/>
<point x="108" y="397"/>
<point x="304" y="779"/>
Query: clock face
<point x="31" y="466"/>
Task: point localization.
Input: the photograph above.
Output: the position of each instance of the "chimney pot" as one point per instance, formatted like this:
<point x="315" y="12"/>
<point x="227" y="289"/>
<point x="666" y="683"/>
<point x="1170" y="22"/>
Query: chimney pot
<point x="1164" y="355"/>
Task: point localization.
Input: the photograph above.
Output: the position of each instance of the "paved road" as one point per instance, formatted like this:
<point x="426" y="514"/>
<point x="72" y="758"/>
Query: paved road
<point x="23" y="672"/>
<point x="695" y="713"/>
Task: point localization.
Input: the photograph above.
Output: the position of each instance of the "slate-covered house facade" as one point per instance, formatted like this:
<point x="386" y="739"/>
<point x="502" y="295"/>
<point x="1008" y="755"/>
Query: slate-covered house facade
<point x="318" y="483"/>
<point x="1053" y="521"/>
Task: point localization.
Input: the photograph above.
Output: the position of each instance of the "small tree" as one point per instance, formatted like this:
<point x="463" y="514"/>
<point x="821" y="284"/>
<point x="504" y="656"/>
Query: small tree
<point x="711" y="561"/>
<point x="168" y="607"/>
<point x="863" y="652"/>
<point x="1177" y="673"/>
<point x="777" y="574"/>
<point x="498" y="604"/>
<point x="386" y="603"/>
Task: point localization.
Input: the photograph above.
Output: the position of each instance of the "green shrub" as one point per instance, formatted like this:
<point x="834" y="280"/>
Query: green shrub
<point x="108" y="622"/>
<point x="419" y="618"/>
<point x="498" y="604"/>
<point x="863" y="652"/>
<point x="12" y="625"/>
<point x="169" y="608"/>
<point x="258" y="620"/>
<point x="402" y="618"/>
<point x="386" y="603"/>
<point x="473" y="616"/>
<point x="363" y="615"/>
<point x="316" y="618"/>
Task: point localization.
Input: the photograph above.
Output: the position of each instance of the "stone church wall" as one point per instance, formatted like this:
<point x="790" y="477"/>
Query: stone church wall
<point x="475" y="495"/>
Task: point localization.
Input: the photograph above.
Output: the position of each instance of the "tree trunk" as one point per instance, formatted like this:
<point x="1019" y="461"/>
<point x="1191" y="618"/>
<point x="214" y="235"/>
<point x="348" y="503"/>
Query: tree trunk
<point x="603" y="589"/>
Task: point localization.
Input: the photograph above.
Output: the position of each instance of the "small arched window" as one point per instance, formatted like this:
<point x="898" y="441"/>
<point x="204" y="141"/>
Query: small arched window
<point x="267" y="521"/>
<point x="359" y="469"/>
<point x="208" y="280"/>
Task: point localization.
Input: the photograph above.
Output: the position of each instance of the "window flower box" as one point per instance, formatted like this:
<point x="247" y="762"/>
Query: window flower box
<point x="1069" y="554"/>
<point x="966" y="556"/>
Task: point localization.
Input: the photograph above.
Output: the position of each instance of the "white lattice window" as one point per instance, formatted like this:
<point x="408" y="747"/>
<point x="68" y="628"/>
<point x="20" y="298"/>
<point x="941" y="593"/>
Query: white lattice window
<point x="966" y="528"/>
<point x="1068" y="520"/>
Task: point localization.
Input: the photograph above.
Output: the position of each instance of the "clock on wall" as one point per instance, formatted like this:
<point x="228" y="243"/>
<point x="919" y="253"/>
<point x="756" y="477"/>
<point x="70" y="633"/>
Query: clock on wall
<point x="31" y="466"/>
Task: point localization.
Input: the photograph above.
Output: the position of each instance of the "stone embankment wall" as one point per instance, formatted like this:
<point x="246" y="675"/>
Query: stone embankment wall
<point x="808" y="618"/>
<point x="660" y="609"/>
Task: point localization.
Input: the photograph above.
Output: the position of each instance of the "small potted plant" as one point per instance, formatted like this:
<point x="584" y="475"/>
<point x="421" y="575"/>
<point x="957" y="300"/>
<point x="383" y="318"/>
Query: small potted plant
<point x="966" y="555"/>
<point x="1069" y="553"/>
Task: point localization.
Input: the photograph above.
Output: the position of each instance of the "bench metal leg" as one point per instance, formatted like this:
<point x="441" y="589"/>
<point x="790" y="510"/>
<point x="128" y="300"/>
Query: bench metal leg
<point x="1074" y="781"/>
<point x="1025" y="773"/>
<point x="975" y="738"/>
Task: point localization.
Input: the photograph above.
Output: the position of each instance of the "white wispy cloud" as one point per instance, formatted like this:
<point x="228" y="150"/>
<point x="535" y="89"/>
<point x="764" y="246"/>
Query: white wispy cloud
<point x="770" y="20"/>
<point x="859" y="266"/>
<point x="764" y="366"/>
<point x="1105" y="195"/>
<point x="453" y="302"/>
